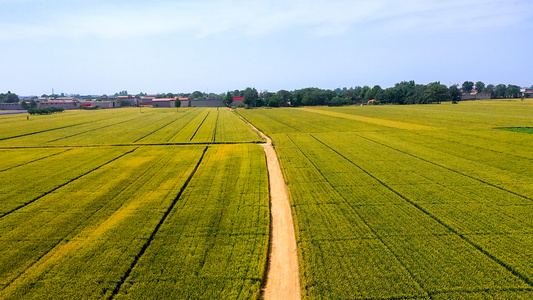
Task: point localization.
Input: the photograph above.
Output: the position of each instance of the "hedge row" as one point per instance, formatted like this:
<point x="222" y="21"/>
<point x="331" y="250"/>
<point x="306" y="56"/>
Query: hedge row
<point x="45" y="110"/>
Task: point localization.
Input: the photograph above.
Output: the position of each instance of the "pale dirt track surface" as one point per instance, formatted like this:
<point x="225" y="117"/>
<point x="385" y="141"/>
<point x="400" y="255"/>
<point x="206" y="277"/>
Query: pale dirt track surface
<point x="283" y="277"/>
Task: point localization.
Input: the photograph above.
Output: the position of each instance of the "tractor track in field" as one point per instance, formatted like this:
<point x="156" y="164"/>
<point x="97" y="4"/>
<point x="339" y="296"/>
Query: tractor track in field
<point x="282" y="275"/>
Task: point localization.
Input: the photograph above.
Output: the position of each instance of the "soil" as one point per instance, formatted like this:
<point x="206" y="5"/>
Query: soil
<point x="283" y="276"/>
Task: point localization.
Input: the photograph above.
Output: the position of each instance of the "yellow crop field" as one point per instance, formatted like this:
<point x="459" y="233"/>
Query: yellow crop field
<point x="121" y="204"/>
<point x="388" y="202"/>
<point x="405" y="202"/>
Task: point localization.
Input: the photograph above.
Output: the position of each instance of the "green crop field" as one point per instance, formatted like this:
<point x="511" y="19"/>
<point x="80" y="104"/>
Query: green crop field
<point x="121" y="204"/>
<point x="389" y="202"/>
<point x="408" y="202"/>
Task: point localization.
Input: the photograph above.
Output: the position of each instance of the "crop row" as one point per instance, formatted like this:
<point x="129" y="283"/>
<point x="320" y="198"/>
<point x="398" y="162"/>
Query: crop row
<point x="138" y="224"/>
<point x="128" y="126"/>
<point x="392" y="213"/>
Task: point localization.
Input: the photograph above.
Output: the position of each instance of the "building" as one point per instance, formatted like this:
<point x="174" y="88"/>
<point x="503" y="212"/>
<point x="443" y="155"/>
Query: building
<point x="476" y="96"/>
<point x="131" y="100"/>
<point x="237" y="101"/>
<point x="164" y="102"/>
<point x="528" y="93"/>
<point x="207" y="103"/>
<point x="146" y="101"/>
<point x="185" y="102"/>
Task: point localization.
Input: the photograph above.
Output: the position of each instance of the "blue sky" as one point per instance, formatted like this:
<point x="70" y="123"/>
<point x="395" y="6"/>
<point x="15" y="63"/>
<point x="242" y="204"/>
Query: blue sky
<point x="103" y="47"/>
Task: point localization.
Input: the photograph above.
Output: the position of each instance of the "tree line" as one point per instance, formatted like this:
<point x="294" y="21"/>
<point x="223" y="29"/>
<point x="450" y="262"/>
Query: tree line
<point x="405" y="92"/>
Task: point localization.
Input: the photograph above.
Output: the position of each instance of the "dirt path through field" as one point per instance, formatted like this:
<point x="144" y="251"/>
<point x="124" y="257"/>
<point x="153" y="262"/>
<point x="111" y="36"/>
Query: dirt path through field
<point x="283" y="280"/>
<point x="283" y="277"/>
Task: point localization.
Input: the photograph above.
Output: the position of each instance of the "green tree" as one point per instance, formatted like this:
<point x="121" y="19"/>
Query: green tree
<point x="9" y="97"/>
<point x="284" y="98"/>
<point x="33" y="104"/>
<point x="490" y="89"/>
<point x="513" y="91"/>
<point x="468" y="86"/>
<point x="177" y="103"/>
<point x="24" y="105"/>
<point x="228" y="99"/>
<point x="500" y="91"/>
<point x="197" y="95"/>
<point x="480" y="86"/>
<point x="273" y="101"/>
<point x="455" y="93"/>
<point x="377" y="92"/>
<point x="436" y="92"/>
<point x="366" y="93"/>
<point x="250" y="97"/>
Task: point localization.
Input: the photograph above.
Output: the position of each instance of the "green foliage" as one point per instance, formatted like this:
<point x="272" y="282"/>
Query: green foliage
<point x="228" y="99"/>
<point x="519" y="129"/>
<point x="480" y="86"/>
<point x="467" y="86"/>
<point x="250" y="97"/>
<point x="455" y="93"/>
<point x="9" y="98"/>
<point x="45" y="110"/>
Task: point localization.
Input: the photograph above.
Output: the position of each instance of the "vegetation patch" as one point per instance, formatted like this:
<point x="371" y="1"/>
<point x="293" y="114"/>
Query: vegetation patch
<point x="518" y="129"/>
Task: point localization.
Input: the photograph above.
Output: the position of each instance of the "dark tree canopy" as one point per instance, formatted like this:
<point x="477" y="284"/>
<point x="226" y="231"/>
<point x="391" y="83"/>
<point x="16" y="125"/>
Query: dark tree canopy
<point x="9" y="98"/>
<point x="468" y="86"/>
<point x="480" y="86"/>
<point x="228" y="99"/>
<point x="250" y="97"/>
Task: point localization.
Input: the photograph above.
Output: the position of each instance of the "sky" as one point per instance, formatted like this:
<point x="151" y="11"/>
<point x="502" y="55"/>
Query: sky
<point x="103" y="47"/>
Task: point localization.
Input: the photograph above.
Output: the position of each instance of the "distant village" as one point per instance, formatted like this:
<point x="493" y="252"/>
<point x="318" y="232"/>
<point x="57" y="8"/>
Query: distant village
<point x="103" y="102"/>
<point x="405" y="92"/>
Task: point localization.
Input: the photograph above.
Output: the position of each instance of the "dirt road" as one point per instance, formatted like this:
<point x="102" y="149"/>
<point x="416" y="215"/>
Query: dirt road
<point x="283" y="277"/>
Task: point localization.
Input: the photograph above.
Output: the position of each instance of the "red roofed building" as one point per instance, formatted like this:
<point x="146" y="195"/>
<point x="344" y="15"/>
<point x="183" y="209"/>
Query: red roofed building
<point x="237" y="101"/>
<point x="146" y="101"/>
<point x="164" y="102"/>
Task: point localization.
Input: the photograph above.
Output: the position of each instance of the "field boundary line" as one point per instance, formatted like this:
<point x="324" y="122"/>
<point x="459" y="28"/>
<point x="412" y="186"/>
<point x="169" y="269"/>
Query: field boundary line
<point x="378" y="237"/>
<point x="199" y="126"/>
<point x="32" y="161"/>
<point x="215" y="130"/>
<point x="66" y="183"/>
<point x="157" y="227"/>
<point x="451" y="229"/>
<point x="446" y="168"/>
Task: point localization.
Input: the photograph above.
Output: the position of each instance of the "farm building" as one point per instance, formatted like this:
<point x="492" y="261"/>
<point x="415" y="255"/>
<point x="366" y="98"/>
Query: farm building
<point x="185" y="102"/>
<point x="164" y="102"/>
<point x="237" y="101"/>
<point x="133" y="100"/>
<point x="146" y="101"/>
<point x="207" y="103"/>
<point x="476" y="96"/>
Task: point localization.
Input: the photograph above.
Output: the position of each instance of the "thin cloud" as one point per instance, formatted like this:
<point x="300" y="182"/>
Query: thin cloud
<point x="258" y="18"/>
